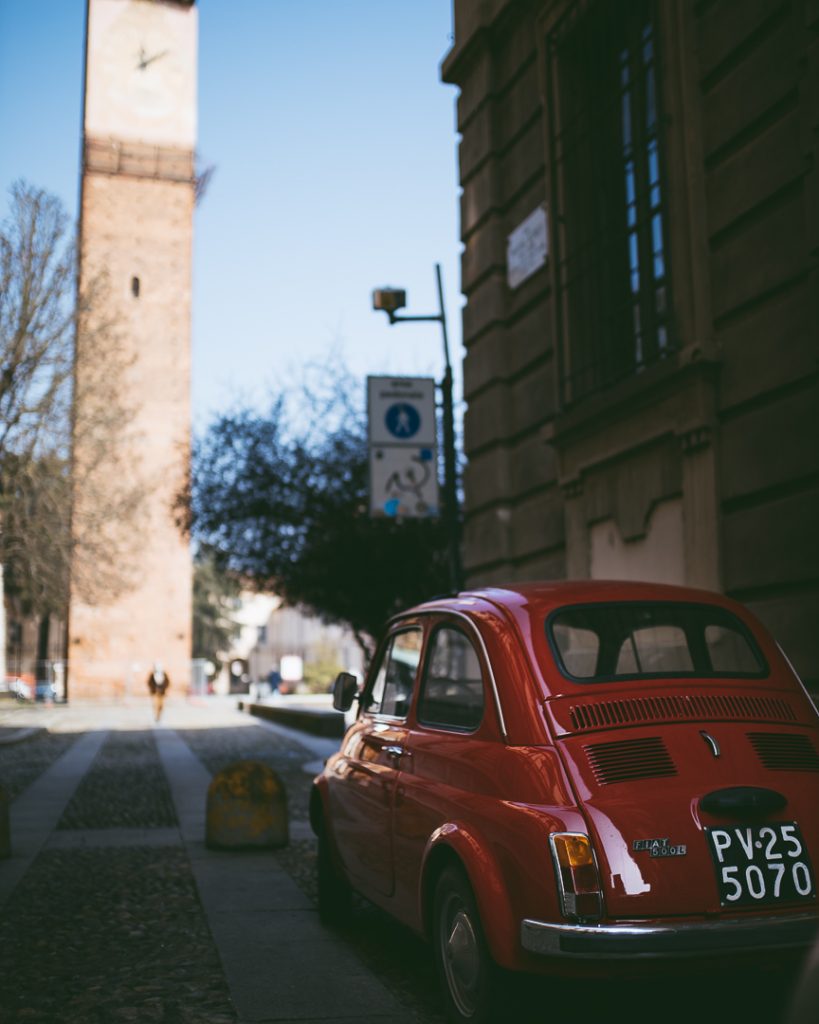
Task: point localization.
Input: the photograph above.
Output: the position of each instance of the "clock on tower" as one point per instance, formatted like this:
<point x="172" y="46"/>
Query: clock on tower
<point x="141" y="76"/>
<point x="136" y="226"/>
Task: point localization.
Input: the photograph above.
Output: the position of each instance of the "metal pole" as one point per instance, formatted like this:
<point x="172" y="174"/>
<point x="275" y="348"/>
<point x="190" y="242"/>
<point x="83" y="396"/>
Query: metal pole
<point x="451" y="511"/>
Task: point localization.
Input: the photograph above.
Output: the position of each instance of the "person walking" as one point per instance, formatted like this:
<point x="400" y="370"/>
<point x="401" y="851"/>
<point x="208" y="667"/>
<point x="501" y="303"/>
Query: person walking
<point x="158" y="684"/>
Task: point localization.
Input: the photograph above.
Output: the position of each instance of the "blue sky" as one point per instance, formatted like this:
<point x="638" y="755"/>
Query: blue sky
<point x="335" y="152"/>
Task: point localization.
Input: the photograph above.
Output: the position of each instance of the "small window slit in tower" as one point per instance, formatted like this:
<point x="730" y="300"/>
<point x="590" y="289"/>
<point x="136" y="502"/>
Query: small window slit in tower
<point x="135" y="287"/>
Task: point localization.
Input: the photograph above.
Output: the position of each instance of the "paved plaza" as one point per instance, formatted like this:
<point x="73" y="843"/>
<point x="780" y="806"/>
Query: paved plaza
<point x="114" y="910"/>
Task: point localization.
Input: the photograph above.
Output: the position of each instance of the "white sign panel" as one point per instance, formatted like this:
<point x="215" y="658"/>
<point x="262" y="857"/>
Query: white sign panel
<point x="403" y="481"/>
<point x="292" y="668"/>
<point x="527" y="248"/>
<point x="401" y="411"/>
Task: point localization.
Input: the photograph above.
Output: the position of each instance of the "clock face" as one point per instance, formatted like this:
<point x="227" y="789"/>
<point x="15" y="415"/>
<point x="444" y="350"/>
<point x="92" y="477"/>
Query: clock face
<point x="141" y="72"/>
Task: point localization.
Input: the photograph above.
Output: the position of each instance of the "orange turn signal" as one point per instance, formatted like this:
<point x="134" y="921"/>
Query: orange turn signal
<point x="578" y="881"/>
<point x="573" y="850"/>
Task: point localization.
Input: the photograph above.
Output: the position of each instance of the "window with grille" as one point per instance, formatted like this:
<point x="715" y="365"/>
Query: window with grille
<point x="611" y="241"/>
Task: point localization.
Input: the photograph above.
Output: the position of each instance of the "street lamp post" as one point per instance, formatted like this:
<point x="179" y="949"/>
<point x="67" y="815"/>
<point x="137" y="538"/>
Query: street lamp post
<point x="389" y="300"/>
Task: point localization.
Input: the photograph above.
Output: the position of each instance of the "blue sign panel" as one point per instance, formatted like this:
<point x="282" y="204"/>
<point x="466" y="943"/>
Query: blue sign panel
<point x="402" y="420"/>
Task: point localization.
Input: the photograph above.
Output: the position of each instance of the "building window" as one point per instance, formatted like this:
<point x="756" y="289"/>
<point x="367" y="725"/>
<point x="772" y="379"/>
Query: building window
<point x="611" y="245"/>
<point x="135" y="287"/>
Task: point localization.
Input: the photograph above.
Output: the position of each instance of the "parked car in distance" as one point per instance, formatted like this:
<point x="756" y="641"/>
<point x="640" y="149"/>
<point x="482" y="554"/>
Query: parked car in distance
<point x="17" y="686"/>
<point x="45" y="691"/>
<point x="552" y="777"/>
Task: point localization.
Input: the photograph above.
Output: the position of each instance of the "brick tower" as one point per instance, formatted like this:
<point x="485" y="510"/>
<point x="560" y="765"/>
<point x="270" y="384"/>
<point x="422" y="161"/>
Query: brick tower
<point x="135" y="237"/>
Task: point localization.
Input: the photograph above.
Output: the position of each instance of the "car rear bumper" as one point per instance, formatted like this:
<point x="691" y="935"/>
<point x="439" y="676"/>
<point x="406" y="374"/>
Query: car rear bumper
<point x="669" y="941"/>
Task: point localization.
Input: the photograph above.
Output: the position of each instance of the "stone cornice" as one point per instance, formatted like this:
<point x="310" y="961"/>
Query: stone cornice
<point x="138" y="160"/>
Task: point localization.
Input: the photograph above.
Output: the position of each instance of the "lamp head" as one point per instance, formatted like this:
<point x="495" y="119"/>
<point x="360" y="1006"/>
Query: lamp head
<point x="389" y="299"/>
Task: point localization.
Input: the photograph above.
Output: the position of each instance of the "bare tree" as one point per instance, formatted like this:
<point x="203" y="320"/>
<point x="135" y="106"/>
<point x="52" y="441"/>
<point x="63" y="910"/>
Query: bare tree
<point x="59" y="516"/>
<point x="202" y="179"/>
<point x="37" y="272"/>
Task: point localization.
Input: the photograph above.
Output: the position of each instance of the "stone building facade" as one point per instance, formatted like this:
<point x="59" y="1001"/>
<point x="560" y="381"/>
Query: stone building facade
<point x="640" y="221"/>
<point x="136" y="225"/>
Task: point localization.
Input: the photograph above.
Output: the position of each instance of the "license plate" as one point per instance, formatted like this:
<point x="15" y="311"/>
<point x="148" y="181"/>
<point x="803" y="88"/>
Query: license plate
<point x="761" y="864"/>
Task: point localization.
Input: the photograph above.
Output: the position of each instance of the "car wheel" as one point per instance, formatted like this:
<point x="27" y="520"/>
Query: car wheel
<point x="465" y="967"/>
<point x="334" y="893"/>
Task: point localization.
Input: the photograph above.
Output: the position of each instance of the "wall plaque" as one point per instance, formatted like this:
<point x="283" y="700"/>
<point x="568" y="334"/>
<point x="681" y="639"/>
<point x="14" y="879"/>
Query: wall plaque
<point x="527" y="248"/>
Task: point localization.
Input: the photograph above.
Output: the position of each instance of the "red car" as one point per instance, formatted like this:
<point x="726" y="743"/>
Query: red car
<point x="553" y="776"/>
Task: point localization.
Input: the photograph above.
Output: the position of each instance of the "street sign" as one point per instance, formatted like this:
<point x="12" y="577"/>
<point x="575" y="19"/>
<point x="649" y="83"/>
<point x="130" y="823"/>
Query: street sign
<point x="401" y="411"/>
<point x="403" y="452"/>
<point x="403" y="481"/>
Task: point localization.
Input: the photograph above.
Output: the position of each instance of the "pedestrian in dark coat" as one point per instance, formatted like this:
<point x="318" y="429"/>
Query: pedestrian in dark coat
<point x="158" y="685"/>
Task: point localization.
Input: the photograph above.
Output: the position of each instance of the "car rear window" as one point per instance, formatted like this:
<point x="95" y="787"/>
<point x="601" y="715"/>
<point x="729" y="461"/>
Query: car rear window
<point x="634" y="640"/>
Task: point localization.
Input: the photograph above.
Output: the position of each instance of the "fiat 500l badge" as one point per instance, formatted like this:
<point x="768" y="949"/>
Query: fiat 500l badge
<point x="659" y="847"/>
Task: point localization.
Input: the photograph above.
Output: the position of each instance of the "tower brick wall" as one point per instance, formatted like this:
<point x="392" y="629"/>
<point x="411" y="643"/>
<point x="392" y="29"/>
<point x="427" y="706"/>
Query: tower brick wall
<point x="138" y="229"/>
<point x="130" y="600"/>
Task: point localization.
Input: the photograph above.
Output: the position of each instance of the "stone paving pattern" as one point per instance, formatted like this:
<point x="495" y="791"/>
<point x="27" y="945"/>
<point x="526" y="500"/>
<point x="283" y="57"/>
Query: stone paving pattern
<point x="398" y="957"/>
<point x="115" y="935"/>
<point x="106" y="935"/>
<point x="22" y="763"/>
<point x="125" y="788"/>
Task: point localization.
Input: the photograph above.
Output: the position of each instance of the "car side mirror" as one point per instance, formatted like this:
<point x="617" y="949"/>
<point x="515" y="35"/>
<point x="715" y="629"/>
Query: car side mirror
<point x="345" y="689"/>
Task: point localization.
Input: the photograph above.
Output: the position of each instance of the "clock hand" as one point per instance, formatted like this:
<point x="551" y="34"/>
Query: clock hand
<point x="145" y="60"/>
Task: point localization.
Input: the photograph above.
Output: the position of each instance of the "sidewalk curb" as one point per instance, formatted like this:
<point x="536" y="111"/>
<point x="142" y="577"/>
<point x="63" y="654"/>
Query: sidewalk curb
<point x="320" y="722"/>
<point x="18" y="735"/>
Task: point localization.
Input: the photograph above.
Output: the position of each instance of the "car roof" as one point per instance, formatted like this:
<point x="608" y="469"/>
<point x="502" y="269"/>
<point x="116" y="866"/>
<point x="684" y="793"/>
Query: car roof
<point x="541" y="598"/>
<point x="525" y="607"/>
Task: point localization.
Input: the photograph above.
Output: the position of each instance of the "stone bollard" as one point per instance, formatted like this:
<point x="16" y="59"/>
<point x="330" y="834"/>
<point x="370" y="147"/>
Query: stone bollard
<point x="5" y="825"/>
<point x="247" y="807"/>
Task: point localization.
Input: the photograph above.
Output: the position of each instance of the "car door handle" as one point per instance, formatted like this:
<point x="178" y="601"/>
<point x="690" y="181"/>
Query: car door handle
<point x="393" y="752"/>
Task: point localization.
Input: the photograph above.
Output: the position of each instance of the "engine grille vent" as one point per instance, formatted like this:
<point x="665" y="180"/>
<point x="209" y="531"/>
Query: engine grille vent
<point x="629" y="759"/>
<point x="679" y="708"/>
<point x="785" y="752"/>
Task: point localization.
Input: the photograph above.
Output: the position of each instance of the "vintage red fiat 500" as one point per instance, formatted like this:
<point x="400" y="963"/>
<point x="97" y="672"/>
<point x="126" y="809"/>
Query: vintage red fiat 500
<point x="550" y="774"/>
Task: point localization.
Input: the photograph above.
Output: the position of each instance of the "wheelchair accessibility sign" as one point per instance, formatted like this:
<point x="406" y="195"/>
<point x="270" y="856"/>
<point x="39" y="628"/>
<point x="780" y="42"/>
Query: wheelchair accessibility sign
<point x="403" y="482"/>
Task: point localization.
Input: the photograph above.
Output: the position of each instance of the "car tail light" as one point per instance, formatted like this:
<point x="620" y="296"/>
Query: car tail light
<point x="578" y="881"/>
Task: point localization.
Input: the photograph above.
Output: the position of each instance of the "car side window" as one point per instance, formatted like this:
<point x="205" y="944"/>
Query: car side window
<point x="452" y="694"/>
<point x="729" y="650"/>
<point x="391" y="691"/>
<point x="373" y="698"/>
<point x="579" y="648"/>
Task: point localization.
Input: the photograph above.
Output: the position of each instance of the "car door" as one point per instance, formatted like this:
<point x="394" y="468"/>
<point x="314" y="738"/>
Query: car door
<point x="447" y="759"/>
<point x="362" y="792"/>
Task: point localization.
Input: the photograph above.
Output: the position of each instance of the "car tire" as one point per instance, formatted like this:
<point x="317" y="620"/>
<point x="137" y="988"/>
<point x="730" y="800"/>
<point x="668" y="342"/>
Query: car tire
<point x="334" y="893"/>
<point x="467" y="973"/>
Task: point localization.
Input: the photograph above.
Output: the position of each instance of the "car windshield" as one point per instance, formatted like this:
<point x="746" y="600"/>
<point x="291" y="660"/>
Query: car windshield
<point x="633" y="640"/>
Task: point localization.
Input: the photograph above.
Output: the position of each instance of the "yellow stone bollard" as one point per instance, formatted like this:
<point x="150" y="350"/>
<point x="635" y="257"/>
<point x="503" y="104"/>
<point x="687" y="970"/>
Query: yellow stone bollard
<point x="247" y="807"/>
<point x="5" y="825"/>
